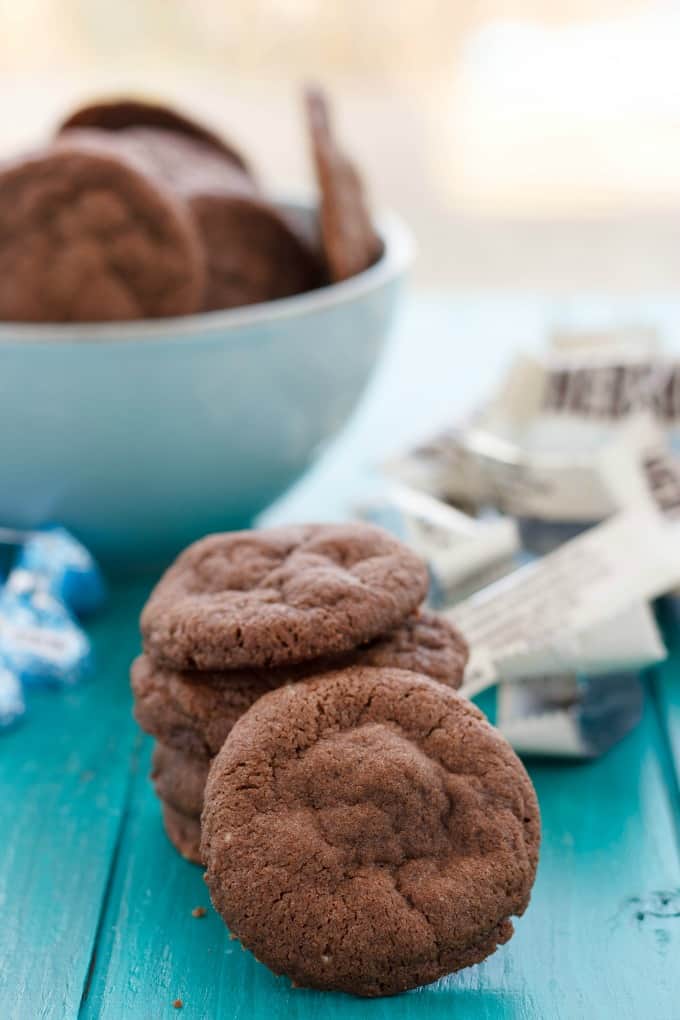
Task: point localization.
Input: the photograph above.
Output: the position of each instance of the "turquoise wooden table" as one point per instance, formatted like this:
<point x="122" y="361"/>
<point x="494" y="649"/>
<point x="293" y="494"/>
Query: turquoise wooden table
<point x="96" y="908"/>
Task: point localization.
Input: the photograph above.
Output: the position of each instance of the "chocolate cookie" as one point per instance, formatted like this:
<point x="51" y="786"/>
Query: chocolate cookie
<point x="425" y="643"/>
<point x="368" y="831"/>
<point x="121" y="114"/>
<point x="184" y="833"/>
<point x="85" y="236"/>
<point x="252" y="253"/>
<point x="285" y="595"/>
<point x="185" y="164"/>
<point x="179" y="779"/>
<point x="193" y="716"/>
<point x="193" y="712"/>
<point x="350" y="242"/>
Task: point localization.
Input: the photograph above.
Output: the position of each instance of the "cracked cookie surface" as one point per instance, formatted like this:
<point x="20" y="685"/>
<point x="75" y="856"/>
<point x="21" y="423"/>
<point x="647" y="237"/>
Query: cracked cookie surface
<point x="424" y="643"/>
<point x="368" y="831"/>
<point x="279" y="596"/>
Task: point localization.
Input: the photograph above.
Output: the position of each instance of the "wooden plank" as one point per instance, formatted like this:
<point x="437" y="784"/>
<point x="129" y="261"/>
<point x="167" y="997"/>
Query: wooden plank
<point x="592" y="944"/>
<point x="64" y="778"/>
<point x="667" y="690"/>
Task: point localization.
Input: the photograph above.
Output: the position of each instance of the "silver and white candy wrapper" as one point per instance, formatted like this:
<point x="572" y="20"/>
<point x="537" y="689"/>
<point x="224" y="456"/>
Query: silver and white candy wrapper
<point x="583" y="434"/>
<point x="569" y="716"/>
<point x="548" y="447"/>
<point x="564" y="635"/>
<point x="583" y="607"/>
<point x="463" y="554"/>
<point x="554" y="478"/>
<point x="606" y="377"/>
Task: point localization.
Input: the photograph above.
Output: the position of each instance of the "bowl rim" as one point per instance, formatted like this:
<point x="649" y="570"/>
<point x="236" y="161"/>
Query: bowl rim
<point x="397" y="255"/>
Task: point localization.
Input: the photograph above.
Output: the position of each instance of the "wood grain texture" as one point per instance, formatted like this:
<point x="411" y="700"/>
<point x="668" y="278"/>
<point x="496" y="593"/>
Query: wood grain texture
<point x="64" y="779"/>
<point x="592" y="943"/>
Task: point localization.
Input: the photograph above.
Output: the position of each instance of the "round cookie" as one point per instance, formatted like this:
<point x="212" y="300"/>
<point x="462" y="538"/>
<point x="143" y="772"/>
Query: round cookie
<point x="193" y="712"/>
<point x="280" y="596"/>
<point x="368" y="831"/>
<point x="183" y="163"/>
<point x="350" y="243"/>
<point x="121" y="114"/>
<point x="85" y="236"/>
<point x="424" y="643"/>
<point x="179" y="779"/>
<point x="193" y="716"/>
<point x="184" y="833"/>
<point x="253" y="252"/>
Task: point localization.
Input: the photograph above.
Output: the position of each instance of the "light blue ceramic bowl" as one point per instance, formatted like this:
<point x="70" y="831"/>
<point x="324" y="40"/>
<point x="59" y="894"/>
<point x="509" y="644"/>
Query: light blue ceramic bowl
<point x="143" y="436"/>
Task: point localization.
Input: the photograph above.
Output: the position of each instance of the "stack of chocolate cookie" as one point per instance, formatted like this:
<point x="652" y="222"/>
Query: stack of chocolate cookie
<point x="241" y="614"/>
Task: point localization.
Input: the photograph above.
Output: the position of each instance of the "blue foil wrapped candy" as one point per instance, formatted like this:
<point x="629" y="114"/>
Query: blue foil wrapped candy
<point x="40" y="640"/>
<point x="72" y="573"/>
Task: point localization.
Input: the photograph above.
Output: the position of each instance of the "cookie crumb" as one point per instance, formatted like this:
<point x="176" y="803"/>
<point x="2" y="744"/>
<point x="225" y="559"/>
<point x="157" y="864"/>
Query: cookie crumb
<point x="199" y="912"/>
<point x="178" y="1003"/>
<point x="233" y="937"/>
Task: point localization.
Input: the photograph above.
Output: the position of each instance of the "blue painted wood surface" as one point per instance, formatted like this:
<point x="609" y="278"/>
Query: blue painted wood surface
<point x="95" y="906"/>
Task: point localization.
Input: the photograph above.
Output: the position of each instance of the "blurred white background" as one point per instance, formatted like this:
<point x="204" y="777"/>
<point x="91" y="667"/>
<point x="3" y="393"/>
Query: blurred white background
<point x="530" y="143"/>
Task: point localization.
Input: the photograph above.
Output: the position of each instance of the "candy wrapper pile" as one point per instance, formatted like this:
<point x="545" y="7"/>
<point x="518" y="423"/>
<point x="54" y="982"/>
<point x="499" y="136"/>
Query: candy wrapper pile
<point x="551" y="520"/>
<point x="52" y="582"/>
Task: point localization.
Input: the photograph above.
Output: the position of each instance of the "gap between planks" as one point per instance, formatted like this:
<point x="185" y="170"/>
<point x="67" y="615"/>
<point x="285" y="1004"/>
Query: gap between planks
<point x="113" y="863"/>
